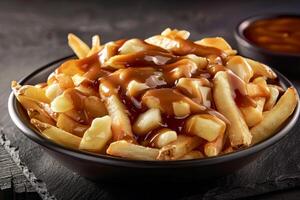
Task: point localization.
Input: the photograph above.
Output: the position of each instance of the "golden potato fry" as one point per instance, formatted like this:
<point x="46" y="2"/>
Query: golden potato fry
<point x="110" y="50"/>
<point x="253" y="115"/>
<point x="217" y="42"/>
<point x="80" y="48"/>
<point x="53" y="90"/>
<point x="64" y="81"/>
<point x="69" y="125"/>
<point x="97" y="135"/>
<point x="200" y="61"/>
<point x="192" y="155"/>
<point x="62" y="103"/>
<point x="33" y="92"/>
<point x="94" y="107"/>
<point x="128" y="150"/>
<point x="163" y="137"/>
<point x="238" y="131"/>
<point x="178" y="148"/>
<point x="147" y="121"/>
<point x="206" y="126"/>
<point x="57" y="135"/>
<point x="132" y="46"/>
<point x="260" y="69"/>
<point x="274" y="118"/>
<point x="271" y="100"/>
<point x="240" y="67"/>
<point x="214" y="148"/>
<point x="95" y="45"/>
<point x="121" y="126"/>
<point x="35" y="109"/>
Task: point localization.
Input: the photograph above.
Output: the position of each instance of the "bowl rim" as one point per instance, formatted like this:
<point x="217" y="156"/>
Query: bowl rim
<point x="33" y="134"/>
<point x="243" y="24"/>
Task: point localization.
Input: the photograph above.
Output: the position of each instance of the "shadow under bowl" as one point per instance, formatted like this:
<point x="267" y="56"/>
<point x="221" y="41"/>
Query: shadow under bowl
<point x="113" y="169"/>
<point x="287" y="63"/>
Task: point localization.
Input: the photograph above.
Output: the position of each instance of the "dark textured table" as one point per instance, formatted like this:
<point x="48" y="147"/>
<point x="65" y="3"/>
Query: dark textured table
<point x="33" y="33"/>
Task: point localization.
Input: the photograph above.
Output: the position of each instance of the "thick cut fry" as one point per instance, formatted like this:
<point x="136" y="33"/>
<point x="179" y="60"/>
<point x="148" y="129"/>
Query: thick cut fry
<point x="192" y="155"/>
<point x="163" y="137"/>
<point x="64" y="81"/>
<point x="274" y="118"/>
<point x="217" y="42"/>
<point x="69" y="125"/>
<point x="214" y="148"/>
<point x="147" y="121"/>
<point x="94" y="107"/>
<point x="121" y="126"/>
<point x="178" y="148"/>
<point x="53" y="91"/>
<point x="240" y="67"/>
<point x="62" y="103"/>
<point x="128" y="150"/>
<point x="35" y="109"/>
<point x="271" y="101"/>
<point x="95" y="45"/>
<point x="33" y="92"/>
<point x="132" y="46"/>
<point x="57" y="135"/>
<point x="80" y="48"/>
<point x="260" y="69"/>
<point x="253" y="115"/>
<point x="206" y="126"/>
<point x="238" y="131"/>
<point x="200" y="61"/>
<point x="97" y="136"/>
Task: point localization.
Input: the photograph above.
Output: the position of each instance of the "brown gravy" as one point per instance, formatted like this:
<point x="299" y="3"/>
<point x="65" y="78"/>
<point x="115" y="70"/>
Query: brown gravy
<point x="281" y="34"/>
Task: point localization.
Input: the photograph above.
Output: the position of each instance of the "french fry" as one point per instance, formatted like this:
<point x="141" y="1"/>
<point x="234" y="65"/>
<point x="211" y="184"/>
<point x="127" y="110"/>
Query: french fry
<point x="97" y="135"/>
<point x="128" y="150"/>
<point x="178" y="148"/>
<point x="53" y="91"/>
<point x="57" y="135"/>
<point x="238" y="130"/>
<point x="253" y="115"/>
<point x="121" y="126"/>
<point x="200" y="61"/>
<point x="192" y="155"/>
<point x="30" y="91"/>
<point x="64" y="81"/>
<point x="69" y="125"/>
<point x="240" y="67"/>
<point x="214" y="148"/>
<point x="35" y="109"/>
<point x="163" y="137"/>
<point x="132" y="46"/>
<point x="260" y="69"/>
<point x="80" y="48"/>
<point x="62" y="103"/>
<point x="274" y="118"/>
<point x="271" y="100"/>
<point x="217" y="42"/>
<point x="94" y="107"/>
<point x="147" y="121"/>
<point x="110" y="50"/>
<point x="206" y="126"/>
<point x="95" y="45"/>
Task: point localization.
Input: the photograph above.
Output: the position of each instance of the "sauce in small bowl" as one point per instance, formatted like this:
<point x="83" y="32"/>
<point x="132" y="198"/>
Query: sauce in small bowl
<point x="273" y="39"/>
<point x="281" y="34"/>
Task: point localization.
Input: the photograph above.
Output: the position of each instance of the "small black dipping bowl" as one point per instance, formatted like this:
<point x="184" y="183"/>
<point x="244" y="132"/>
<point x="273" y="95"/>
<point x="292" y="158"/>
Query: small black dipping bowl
<point x="287" y="63"/>
<point x="113" y="169"/>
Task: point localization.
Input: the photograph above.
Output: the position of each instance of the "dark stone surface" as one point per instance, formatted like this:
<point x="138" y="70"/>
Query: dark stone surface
<point x="33" y="33"/>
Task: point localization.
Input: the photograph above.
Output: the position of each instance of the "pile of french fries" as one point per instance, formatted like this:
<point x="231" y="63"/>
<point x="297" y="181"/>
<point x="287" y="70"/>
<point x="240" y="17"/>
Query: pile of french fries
<point x="124" y="97"/>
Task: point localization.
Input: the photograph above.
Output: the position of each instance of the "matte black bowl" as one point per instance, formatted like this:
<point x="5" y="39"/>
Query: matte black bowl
<point x="102" y="167"/>
<point x="287" y="63"/>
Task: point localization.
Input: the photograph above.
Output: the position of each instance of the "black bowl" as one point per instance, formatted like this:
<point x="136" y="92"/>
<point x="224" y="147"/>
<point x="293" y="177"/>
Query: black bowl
<point x="103" y="167"/>
<point x="287" y="63"/>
